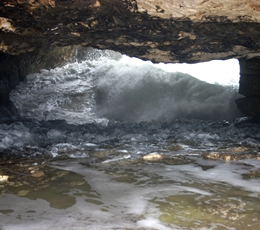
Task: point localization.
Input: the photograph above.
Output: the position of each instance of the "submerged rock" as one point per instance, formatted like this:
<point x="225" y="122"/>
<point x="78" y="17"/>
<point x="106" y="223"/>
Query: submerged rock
<point x="231" y="155"/>
<point x="37" y="173"/>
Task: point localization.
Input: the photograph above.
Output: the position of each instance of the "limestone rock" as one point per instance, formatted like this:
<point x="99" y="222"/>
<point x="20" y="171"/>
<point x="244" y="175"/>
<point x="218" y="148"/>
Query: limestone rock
<point x="162" y="31"/>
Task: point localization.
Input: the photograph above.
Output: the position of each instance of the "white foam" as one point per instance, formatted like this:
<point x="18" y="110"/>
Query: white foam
<point x="15" y="136"/>
<point x="121" y="204"/>
<point x="60" y="93"/>
<point x="143" y="93"/>
<point x="79" y="155"/>
<point x="227" y="172"/>
<point x="122" y="89"/>
<point x="76" y="217"/>
<point x="90" y="144"/>
<point x="128" y="156"/>
<point x="153" y="224"/>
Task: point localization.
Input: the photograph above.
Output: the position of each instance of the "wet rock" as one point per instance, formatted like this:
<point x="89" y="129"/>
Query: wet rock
<point x="23" y="192"/>
<point x="236" y="153"/>
<point x="249" y="77"/>
<point x="211" y="155"/>
<point x="37" y="174"/>
<point x="227" y="209"/>
<point x="3" y="179"/>
<point x="157" y="30"/>
<point x="174" y="147"/>
<point x="231" y="155"/>
<point x="249" y="87"/>
<point x="252" y="174"/>
<point x="152" y="156"/>
<point x="249" y="106"/>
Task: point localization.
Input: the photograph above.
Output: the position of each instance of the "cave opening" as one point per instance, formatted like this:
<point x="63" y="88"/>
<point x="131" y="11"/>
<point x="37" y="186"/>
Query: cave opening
<point x="109" y="85"/>
<point x="105" y="133"/>
<point x="223" y="72"/>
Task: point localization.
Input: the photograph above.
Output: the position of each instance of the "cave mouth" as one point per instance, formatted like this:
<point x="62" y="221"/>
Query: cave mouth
<point x="103" y="84"/>
<point x="222" y="72"/>
<point x="101" y="97"/>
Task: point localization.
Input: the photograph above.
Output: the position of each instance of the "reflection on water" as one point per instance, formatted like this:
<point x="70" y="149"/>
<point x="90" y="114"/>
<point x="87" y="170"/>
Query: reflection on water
<point x="168" y="193"/>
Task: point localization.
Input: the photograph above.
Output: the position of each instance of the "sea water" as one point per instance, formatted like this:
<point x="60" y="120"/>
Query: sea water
<point x="121" y="89"/>
<point x="105" y="116"/>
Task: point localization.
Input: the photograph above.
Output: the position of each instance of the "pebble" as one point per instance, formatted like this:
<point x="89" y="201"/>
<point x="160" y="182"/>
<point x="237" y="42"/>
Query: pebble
<point x="152" y="156"/>
<point x="37" y="174"/>
<point x="3" y="179"/>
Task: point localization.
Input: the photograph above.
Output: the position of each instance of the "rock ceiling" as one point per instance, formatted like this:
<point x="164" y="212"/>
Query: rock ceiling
<point x="161" y="31"/>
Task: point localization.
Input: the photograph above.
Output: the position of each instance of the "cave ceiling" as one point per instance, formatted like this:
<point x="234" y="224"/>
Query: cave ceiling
<point x="161" y="31"/>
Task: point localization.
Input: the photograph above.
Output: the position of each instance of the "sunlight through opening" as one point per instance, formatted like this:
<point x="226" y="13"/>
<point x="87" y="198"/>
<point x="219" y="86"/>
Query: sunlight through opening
<point x="215" y="72"/>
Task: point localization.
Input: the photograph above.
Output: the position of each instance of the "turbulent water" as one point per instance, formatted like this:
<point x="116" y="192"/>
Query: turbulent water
<point x="122" y="89"/>
<point x="112" y="98"/>
<point x="109" y="112"/>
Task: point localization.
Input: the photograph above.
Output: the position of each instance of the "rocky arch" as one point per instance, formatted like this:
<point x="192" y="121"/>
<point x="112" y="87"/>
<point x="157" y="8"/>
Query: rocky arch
<point x="190" y="31"/>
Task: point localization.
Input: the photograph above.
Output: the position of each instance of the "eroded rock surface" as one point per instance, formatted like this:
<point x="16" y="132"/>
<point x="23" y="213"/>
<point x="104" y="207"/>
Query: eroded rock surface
<point x="162" y="31"/>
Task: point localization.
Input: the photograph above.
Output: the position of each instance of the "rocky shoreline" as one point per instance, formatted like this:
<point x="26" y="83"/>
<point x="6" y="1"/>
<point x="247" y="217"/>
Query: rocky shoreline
<point x="26" y="172"/>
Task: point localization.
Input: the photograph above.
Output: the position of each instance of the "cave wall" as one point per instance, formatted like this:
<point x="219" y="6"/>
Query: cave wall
<point x="161" y="31"/>
<point x="249" y="86"/>
<point x="15" y="68"/>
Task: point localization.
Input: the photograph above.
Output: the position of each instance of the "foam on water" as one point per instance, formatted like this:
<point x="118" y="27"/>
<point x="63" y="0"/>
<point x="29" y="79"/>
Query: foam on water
<point x="148" y="93"/>
<point x="120" y="89"/>
<point x="134" y="204"/>
<point x="226" y="172"/>
<point x="136" y="138"/>
<point x="114" y="97"/>
<point x="60" y="93"/>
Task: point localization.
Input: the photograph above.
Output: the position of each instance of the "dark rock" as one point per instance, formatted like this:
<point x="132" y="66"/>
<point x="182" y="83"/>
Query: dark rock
<point x="162" y="31"/>
<point x="250" y="106"/>
<point x="250" y="87"/>
<point x="249" y="77"/>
